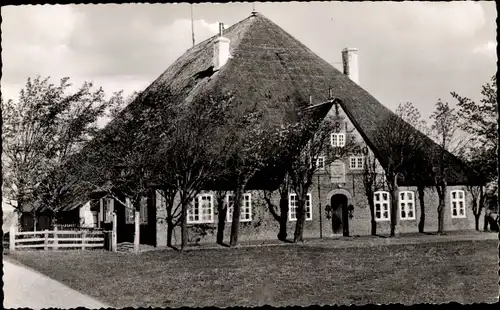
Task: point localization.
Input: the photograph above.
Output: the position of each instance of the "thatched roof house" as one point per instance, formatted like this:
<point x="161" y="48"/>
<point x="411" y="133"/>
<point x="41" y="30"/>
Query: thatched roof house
<point x="264" y="67"/>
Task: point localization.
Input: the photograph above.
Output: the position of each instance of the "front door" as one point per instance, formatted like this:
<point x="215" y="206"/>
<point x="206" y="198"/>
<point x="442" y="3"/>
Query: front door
<point x="340" y="219"/>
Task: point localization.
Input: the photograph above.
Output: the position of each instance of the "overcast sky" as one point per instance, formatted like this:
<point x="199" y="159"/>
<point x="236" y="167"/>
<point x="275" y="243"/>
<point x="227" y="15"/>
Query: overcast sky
<point x="408" y="51"/>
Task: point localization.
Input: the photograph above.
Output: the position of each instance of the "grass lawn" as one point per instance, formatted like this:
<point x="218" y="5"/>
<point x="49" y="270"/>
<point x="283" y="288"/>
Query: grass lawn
<point x="461" y="271"/>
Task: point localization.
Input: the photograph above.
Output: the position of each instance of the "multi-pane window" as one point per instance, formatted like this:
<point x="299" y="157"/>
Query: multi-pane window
<point x="337" y="139"/>
<point x="457" y="204"/>
<point x="407" y="205"/>
<point x="356" y="162"/>
<point x="381" y="201"/>
<point x="245" y="211"/>
<point x="143" y="211"/>
<point x="201" y="210"/>
<point x="292" y="207"/>
<point x="129" y="212"/>
<point x="320" y="162"/>
<point x="108" y="206"/>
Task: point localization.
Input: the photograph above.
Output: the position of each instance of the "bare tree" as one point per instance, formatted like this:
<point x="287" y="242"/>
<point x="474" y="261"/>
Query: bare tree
<point x="246" y="159"/>
<point x="282" y="216"/>
<point x="443" y="129"/>
<point x="419" y="175"/>
<point x="310" y="139"/>
<point x="399" y="145"/>
<point x="371" y="183"/>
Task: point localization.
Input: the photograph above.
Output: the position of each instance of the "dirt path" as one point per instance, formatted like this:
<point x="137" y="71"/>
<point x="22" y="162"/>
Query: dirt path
<point x="25" y="288"/>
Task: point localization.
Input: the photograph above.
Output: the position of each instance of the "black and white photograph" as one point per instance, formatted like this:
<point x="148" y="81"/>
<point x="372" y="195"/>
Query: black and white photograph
<point x="249" y="154"/>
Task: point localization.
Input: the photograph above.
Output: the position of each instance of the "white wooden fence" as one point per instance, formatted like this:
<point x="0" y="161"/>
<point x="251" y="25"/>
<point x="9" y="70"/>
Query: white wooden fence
<point x="55" y="239"/>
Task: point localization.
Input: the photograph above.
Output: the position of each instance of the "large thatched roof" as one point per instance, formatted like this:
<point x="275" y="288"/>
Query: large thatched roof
<point x="269" y="66"/>
<point x="268" y="70"/>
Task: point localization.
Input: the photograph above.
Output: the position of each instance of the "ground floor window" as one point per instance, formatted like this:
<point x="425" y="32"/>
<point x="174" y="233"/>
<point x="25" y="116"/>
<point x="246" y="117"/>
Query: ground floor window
<point x="292" y="207"/>
<point x="407" y="205"/>
<point x="457" y="199"/>
<point x="246" y="208"/>
<point x="201" y="210"/>
<point x="381" y="201"/>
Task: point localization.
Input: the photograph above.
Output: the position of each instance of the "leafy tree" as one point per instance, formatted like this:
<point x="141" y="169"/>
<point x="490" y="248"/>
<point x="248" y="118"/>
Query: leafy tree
<point x="443" y="131"/>
<point x="399" y="145"/>
<point x="42" y="129"/>
<point x="410" y="114"/>
<point x="480" y="122"/>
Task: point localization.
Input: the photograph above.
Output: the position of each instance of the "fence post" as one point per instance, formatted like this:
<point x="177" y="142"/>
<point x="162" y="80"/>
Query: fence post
<point x="83" y="240"/>
<point x="46" y="243"/>
<point x="12" y="238"/>
<point x="56" y="242"/>
<point x="113" y="233"/>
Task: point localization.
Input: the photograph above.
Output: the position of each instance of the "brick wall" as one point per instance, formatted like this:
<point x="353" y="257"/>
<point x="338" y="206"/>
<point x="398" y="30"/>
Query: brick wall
<point x="325" y="185"/>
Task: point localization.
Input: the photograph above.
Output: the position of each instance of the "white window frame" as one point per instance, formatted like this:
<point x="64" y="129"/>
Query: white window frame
<point x="408" y="198"/>
<point x="359" y="162"/>
<point x="335" y="139"/>
<point x="197" y="203"/>
<point x="457" y="197"/>
<point x="292" y="207"/>
<point x="380" y="203"/>
<point x="245" y="210"/>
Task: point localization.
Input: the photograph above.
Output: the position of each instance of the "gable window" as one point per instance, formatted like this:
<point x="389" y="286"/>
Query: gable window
<point x="457" y="204"/>
<point x="356" y="162"/>
<point x="381" y="201"/>
<point x="292" y="207"/>
<point x="337" y="139"/>
<point x="407" y="205"/>
<point x="129" y="212"/>
<point x="108" y="206"/>
<point x="320" y="162"/>
<point x="201" y="210"/>
<point x="245" y="211"/>
<point x="143" y="211"/>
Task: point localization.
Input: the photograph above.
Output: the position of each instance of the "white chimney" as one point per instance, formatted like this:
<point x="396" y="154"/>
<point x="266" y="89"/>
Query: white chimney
<point x="221" y="49"/>
<point x="350" y="61"/>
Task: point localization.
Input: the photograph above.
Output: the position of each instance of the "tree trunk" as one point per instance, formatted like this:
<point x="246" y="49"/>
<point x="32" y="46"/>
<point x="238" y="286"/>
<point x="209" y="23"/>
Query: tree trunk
<point x="421" y="224"/>
<point x="170" y="233"/>
<point x="485" y="224"/>
<point x="184" y="230"/>
<point x="221" y="221"/>
<point x="476" y="221"/>
<point x="441" y="213"/>
<point x="283" y="218"/>
<point x="235" y="225"/>
<point x="372" y="215"/>
<point x="301" y="218"/>
<point x="394" y="206"/>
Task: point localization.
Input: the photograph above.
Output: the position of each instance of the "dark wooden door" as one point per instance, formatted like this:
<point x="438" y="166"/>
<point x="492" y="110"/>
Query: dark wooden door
<point x="340" y="219"/>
